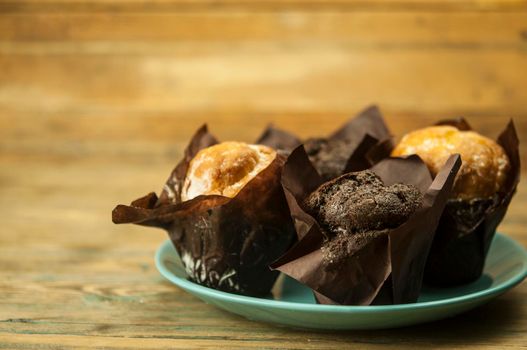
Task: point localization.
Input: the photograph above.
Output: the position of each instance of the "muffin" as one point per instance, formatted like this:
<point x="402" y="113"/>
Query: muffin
<point x="485" y="164"/>
<point x="359" y="202"/>
<point x="364" y="236"/>
<point x="358" y="205"/>
<point x="356" y="145"/>
<point x="224" y="169"/>
<point x="329" y="156"/>
<point x="482" y="190"/>
<point x="225" y="212"/>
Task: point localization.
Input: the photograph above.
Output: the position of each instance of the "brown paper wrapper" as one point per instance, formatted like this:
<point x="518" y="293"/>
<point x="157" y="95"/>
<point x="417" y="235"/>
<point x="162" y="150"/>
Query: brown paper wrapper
<point x="466" y="230"/>
<point x="224" y="243"/>
<point x="278" y="139"/>
<point x="385" y="268"/>
<point x="367" y="139"/>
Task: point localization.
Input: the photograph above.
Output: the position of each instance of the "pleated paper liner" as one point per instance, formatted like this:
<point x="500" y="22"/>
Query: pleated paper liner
<point x="366" y="140"/>
<point x="383" y="269"/>
<point x="225" y="243"/>
<point x="466" y="228"/>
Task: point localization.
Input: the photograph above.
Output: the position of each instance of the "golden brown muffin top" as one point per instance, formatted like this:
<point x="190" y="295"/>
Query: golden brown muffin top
<point x="225" y="168"/>
<point x="485" y="164"/>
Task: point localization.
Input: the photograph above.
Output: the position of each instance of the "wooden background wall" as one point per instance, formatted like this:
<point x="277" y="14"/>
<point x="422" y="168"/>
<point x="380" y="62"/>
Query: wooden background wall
<point x="133" y="77"/>
<point x="97" y="99"/>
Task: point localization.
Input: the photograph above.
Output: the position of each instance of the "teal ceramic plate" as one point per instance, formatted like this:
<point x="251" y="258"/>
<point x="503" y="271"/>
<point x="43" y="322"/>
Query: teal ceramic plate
<point x="292" y="304"/>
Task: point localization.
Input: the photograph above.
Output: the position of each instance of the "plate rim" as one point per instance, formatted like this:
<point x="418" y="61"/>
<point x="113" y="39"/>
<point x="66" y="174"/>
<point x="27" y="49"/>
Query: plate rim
<point x="279" y="304"/>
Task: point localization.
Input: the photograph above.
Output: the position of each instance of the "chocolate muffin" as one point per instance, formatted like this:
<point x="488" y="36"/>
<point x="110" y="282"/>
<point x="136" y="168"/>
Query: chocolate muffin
<point x="357" y="145"/>
<point x="357" y="205"/>
<point x="329" y="156"/>
<point x="363" y="237"/>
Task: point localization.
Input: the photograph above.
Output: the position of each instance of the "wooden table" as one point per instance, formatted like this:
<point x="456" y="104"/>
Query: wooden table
<point x="98" y="98"/>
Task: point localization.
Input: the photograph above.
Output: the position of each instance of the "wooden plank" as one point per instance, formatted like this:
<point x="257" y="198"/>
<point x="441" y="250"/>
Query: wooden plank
<point x="161" y="136"/>
<point x="396" y="30"/>
<point x="265" y="78"/>
<point x="98" y="99"/>
<point x="69" y="278"/>
<point x="316" y="5"/>
<point x="172" y="342"/>
<point x="100" y="289"/>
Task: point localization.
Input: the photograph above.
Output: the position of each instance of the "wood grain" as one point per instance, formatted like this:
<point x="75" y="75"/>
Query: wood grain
<point x="68" y="273"/>
<point x="211" y="5"/>
<point x="97" y="100"/>
<point x="469" y="29"/>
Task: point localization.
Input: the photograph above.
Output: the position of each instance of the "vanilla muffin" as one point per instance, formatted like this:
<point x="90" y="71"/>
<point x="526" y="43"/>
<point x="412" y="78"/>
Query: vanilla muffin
<point x="224" y="169"/>
<point x="225" y="212"/>
<point x="485" y="165"/>
<point x="482" y="191"/>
